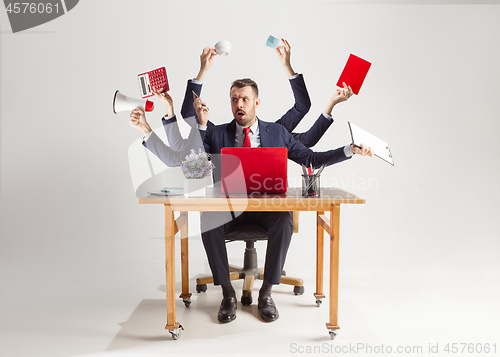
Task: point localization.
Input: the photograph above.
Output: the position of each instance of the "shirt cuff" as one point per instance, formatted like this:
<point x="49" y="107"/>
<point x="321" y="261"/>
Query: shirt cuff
<point x="348" y="151"/>
<point x="202" y="127"/>
<point x="196" y="82"/>
<point x="146" y="137"/>
<point x="167" y="118"/>
<point x="294" y="76"/>
<point x="327" y="116"/>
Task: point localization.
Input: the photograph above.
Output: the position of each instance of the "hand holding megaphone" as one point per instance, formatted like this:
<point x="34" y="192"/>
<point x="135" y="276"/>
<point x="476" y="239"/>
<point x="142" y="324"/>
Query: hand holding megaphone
<point x="138" y="119"/>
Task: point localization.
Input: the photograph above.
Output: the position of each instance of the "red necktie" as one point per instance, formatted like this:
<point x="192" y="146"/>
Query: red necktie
<point x="246" y="141"/>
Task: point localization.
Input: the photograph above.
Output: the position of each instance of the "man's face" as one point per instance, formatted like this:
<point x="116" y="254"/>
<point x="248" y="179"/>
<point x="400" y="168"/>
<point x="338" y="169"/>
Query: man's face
<point x="243" y="105"/>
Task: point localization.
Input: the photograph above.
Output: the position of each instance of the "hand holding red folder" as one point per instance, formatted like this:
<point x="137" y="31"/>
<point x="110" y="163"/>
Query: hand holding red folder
<point x="354" y="73"/>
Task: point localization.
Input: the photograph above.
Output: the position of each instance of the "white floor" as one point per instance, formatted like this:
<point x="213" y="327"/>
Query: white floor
<point x="401" y="302"/>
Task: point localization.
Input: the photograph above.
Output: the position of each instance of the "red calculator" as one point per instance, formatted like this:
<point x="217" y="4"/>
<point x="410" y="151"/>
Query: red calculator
<point x="156" y="78"/>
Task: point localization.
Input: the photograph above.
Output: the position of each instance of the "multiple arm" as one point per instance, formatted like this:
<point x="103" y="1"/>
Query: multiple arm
<point x="302" y="101"/>
<point x="289" y="120"/>
<point x="193" y="108"/>
<point x="315" y="132"/>
<point x="312" y="136"/>
<point x="206" y="60"/>
<point x="168" y="155"/>
<point x="215" y="138"/>
<point x="341" y="95"/>
<point x="169" y="121"/>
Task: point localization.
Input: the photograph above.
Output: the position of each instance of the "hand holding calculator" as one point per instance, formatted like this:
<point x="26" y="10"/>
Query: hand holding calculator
<point x="156" y="78"/>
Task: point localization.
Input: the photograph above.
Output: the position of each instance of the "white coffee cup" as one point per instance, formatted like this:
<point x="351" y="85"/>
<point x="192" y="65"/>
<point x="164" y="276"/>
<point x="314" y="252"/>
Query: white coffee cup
<point x="223" y="48"/>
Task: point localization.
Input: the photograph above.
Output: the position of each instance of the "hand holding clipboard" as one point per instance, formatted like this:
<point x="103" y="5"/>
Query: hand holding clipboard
<point x="378" y="147"/>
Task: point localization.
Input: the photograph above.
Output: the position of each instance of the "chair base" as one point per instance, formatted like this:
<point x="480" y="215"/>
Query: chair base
<point x="249" y="277"/>
<point x="249" y="272"/>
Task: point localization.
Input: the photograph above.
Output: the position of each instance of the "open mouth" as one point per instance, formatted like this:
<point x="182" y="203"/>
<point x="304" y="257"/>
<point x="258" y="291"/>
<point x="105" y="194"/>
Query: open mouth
<point x="240" y="114"/>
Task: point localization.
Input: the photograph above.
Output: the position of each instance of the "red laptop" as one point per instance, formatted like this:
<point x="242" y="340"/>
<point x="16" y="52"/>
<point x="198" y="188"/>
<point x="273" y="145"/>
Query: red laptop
<point x="250" y="170"/>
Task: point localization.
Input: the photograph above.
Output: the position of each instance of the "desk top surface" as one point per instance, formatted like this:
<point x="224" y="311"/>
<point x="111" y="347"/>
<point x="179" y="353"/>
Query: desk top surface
<point x="214" y="200"/>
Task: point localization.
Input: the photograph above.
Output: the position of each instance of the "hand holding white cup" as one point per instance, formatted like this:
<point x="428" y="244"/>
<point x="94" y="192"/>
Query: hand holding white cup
<point x="223" y="48"/>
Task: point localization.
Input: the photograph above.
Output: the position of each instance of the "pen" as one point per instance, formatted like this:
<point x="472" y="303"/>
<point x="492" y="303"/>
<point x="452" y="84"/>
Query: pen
<point x="304" y="170"/>
<point x="196" y="95"/>
<point x="320" y="169"/>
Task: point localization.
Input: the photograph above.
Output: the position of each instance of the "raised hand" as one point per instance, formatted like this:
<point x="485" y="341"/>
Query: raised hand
<point x="340" y="95"/>
<point x="201" y="110"/>
<point x="284" y="53"/>
<point x="206" y="60"/>
<point x="166" y="100"/>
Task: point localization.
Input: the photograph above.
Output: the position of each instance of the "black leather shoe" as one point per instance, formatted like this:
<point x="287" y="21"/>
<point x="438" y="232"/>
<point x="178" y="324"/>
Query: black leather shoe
<point x="227" y="310"/>
<point x="268" y="310"/>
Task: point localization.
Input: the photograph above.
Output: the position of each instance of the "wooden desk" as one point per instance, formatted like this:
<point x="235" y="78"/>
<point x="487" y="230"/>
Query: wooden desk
<point x="330" y="201"/>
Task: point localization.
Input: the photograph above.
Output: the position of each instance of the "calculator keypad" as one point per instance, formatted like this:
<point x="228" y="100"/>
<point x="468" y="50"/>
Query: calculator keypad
<point x="156" y="79"/>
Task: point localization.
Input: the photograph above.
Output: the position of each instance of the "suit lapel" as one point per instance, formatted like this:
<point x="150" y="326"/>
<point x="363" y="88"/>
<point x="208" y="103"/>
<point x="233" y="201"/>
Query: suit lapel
<point x="265" y="134"/>
<point x="230" y="134"/>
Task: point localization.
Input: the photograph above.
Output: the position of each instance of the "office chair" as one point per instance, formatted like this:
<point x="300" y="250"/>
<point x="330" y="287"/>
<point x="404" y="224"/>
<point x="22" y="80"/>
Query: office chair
<point x="250" y="271"/>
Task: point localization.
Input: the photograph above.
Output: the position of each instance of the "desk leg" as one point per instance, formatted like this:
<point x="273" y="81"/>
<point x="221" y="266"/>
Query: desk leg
<point x="172" y="325"/>
<point x="186" y="295"/>
<point x="333" y="325"/>
<point x="320" y="244"/>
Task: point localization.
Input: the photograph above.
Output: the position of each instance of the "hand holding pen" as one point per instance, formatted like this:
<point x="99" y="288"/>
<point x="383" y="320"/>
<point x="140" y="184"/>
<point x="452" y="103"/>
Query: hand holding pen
<point x="201" y="110"/>
<point x="198" y="101"/>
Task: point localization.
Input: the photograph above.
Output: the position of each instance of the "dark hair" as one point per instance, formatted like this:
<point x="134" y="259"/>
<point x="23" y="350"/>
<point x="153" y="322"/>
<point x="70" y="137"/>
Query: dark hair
<point x="245" y="82"/>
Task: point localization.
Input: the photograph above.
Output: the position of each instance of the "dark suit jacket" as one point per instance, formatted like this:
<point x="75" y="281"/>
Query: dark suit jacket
<point x="271" y="135"/>
<point x="289" y="120"/>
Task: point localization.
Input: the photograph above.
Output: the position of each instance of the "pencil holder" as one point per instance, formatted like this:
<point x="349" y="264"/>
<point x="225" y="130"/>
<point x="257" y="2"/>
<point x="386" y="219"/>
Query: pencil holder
<point x="310" y="185"/>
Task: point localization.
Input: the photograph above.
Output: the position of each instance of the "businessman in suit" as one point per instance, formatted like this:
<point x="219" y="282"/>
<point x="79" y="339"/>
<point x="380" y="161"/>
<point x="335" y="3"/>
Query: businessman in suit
<point x="289" y="120"/>
<point x="246" y="130"/>
<point x="178" y="148"/>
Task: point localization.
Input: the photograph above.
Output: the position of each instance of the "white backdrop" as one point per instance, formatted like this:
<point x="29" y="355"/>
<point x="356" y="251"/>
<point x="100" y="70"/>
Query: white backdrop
<point x="70" y="222"/>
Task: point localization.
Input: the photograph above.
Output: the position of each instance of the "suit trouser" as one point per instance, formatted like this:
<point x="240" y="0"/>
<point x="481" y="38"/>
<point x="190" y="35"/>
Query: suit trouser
<point x="279" y="226"/>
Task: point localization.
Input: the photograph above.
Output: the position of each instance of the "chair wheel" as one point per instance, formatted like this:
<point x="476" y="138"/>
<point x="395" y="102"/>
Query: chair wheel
<point x="333" y="334"/>
<point x="201" y="288"/>
<point x="176" y="333"/>
<point x="246" y="300"/>
<point x="187" y="302"/>
<point x="298" y="290"/>
<point x="283" y="273"/>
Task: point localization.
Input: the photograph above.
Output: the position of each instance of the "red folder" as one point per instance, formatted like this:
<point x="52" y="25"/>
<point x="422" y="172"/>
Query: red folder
<point x="354" y="73"/>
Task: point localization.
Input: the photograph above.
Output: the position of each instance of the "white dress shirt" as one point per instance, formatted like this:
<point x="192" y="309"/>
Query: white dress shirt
<point x="253" y="134"/>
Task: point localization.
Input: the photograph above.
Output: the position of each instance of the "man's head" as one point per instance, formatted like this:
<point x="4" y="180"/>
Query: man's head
<point x="244" y="95"/>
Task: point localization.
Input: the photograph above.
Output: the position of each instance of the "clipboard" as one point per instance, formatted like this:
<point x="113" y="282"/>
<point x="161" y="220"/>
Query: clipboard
<point x="379" y="147"/>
